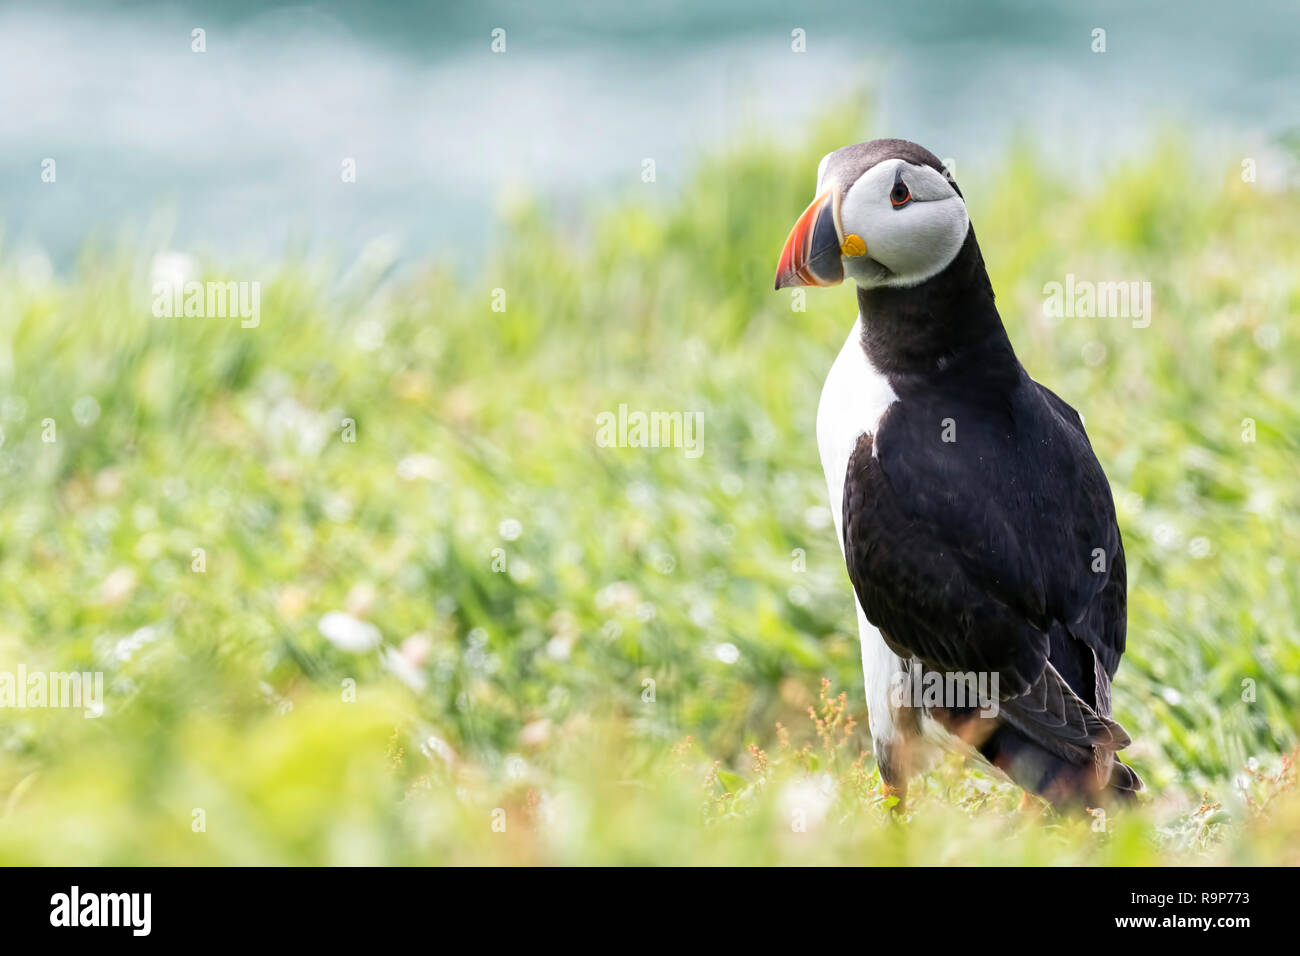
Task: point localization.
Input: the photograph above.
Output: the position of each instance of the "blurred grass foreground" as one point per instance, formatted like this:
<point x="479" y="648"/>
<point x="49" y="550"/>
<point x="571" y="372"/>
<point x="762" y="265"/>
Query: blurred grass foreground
<point x="364" y="587"/>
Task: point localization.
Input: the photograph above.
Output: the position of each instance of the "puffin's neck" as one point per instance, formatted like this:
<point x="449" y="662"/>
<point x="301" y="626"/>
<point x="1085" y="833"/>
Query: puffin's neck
<point x="945" y="326"/>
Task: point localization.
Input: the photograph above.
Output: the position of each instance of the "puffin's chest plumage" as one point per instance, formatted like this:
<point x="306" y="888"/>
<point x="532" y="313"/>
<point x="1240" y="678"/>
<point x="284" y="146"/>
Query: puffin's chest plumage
<point x="853" y="402"/>
<point x="854" y="399"/>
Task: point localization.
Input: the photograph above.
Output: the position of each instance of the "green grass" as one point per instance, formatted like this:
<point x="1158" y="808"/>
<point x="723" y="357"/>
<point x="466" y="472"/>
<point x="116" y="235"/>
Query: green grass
<point x="631" y="565"/>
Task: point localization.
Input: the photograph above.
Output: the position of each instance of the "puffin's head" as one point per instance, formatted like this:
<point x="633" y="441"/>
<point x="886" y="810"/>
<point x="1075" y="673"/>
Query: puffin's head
<point x="886" y="214"/>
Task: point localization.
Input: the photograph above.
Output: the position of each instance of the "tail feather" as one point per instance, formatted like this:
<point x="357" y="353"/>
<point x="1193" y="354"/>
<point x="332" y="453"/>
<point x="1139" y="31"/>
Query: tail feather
<point x="1051" y="742"/>
<point x="1051" y="713"/>
<point x="1063" y="783"/>
<point x="1124" y="780"/>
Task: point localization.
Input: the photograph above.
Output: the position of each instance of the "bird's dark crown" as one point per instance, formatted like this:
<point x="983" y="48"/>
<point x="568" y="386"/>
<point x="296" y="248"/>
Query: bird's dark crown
<point x="846" y="165"/>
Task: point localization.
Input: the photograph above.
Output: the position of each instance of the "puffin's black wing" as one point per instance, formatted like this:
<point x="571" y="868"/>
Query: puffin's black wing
<point x="981" y="537"/>
<point x="1104" y="627"/>
<point x="931" y="591"/>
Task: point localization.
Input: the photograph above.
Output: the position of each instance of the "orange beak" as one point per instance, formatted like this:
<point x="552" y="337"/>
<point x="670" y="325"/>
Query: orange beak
<point x="812" y="252"/>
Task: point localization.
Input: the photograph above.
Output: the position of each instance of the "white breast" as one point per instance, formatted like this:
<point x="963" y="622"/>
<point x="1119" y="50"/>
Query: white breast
<point x="853" y="400"/>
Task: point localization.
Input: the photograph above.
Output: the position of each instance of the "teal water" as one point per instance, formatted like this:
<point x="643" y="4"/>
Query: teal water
<point x="238" y="151"/>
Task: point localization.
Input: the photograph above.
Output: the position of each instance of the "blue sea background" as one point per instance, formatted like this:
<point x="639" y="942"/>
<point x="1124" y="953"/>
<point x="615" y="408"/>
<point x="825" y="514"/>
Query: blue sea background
<point x="237" y="151"/>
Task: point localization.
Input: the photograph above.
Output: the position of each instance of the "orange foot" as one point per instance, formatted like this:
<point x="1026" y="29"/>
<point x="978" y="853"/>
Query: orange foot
<point x="1028" y="804"/>
<point x="889" y="790"/>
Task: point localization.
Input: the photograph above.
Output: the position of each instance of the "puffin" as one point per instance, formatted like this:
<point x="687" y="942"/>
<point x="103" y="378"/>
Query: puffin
<point x="976" y="523"/>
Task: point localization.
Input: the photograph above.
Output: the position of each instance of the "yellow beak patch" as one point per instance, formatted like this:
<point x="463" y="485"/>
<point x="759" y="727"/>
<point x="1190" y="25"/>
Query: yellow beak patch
<point x="853" y="245"/>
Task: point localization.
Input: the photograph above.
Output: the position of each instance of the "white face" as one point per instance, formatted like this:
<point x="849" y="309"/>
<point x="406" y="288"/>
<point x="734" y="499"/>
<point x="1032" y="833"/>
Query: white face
<point x="911" y="219"/>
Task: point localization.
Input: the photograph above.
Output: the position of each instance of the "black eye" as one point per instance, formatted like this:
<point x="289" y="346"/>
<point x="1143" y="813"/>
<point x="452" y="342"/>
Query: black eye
<point x="900" y="195"/>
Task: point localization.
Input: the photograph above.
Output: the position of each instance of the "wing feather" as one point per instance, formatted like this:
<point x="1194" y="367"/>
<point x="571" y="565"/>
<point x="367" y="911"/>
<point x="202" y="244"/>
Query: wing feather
<point x="999" y="555"/>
